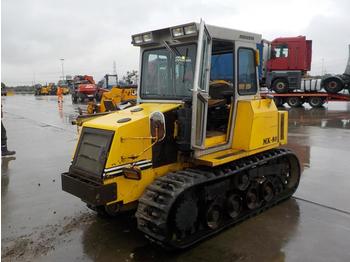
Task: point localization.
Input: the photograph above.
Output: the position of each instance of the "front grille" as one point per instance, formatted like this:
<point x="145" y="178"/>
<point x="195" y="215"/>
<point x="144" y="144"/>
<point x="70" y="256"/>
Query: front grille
<point x="282" y="126"/>
<point x="92" y="152"/>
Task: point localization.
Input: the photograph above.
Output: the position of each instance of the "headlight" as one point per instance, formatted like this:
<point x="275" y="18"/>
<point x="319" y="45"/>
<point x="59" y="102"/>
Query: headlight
<point x="178" y="32"/>
<point x="137" y="39"/>
<point x="147" y="37"/>
<point x="190" y="29"/>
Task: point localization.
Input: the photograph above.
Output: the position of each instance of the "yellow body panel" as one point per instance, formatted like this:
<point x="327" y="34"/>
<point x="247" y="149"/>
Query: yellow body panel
<point x="129" y="190"/>
<point x="215" y="140"/>
<point x="226" y="156"/>
<point x="130" y="141"/>
<point x="109" y="122"/>
<point x="256" y="124"/>
<point x="259" y="126"/>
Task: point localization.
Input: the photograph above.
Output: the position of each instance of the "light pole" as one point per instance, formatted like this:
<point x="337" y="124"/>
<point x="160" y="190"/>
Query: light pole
<point x="62" y="60"/>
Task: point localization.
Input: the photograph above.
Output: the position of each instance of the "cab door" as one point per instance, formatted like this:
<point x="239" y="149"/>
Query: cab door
<point x="200" y="95"/>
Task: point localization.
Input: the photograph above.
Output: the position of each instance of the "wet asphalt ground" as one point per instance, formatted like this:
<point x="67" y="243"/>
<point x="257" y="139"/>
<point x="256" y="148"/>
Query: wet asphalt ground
<point x="40" y="222"/>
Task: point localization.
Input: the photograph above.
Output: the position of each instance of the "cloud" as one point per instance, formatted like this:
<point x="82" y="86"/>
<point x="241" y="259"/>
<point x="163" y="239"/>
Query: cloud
<point x="90" y="35"/>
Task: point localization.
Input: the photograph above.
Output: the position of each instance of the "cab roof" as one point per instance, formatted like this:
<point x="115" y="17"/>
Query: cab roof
<point x="215" y="32"/>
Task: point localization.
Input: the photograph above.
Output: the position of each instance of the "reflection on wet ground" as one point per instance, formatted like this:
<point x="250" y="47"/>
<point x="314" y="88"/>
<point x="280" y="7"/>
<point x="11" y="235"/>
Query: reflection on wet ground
<point x="235" y="243"/>
<point x="320" y="117"/>
<point x="42" y="223"/>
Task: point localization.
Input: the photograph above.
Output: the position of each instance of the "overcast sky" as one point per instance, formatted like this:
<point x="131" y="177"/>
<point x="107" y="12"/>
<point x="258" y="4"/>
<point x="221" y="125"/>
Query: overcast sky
<point x="90" y="35"/>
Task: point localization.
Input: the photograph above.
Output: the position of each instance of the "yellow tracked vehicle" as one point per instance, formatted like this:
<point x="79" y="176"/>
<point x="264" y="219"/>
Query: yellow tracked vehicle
<point x="200" y="151"/>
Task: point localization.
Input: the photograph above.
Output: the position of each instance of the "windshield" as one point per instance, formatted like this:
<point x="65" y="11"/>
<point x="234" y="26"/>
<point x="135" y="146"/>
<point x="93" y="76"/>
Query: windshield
<point x="112" y="81"/>
<point x="168" y="74"/>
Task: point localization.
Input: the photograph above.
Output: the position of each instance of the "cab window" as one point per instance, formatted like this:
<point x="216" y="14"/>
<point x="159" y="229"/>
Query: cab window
<point x="280" y="51"/>
<point x="247" y="83"/>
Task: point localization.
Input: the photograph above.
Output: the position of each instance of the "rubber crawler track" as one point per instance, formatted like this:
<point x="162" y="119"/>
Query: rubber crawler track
<point x="155" y="205"/>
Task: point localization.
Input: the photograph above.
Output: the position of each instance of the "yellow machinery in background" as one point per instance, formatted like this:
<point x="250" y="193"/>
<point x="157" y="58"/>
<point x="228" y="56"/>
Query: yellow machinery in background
<point x="118" y="94"/>
<point x="201" y="149"/>
<point x="48" y="89"/>
<point x="117" y="98"/>
<point x="65" y="90"/>
<point x="64" y="87"/>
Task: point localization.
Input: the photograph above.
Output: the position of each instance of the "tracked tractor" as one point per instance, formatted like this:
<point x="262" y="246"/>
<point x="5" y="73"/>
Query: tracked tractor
<point x="200" y="151"/>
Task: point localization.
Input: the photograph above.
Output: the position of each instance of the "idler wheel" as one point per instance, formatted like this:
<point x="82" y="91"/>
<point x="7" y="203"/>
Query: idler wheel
<point x="234" y="205"/>
<point x="278" y="186"/>
<point x="213" y="216"/>
<point x="252" y="198"/>
<point x="267" y="191"/>
<point x="186" y="216"/>
<point x="242" y="181"/>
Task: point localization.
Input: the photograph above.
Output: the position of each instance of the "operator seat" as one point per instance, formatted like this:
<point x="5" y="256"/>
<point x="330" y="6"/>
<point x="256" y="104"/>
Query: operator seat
<point x="221" y="93"/>
<point x="221" y="90"/>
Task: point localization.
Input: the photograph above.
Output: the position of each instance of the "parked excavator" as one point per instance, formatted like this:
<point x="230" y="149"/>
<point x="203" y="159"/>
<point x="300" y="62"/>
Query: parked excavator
<point x="196" y="154"/>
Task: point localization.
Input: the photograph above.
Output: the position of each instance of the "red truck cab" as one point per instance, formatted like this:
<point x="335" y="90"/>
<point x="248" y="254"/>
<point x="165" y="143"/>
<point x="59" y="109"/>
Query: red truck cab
<point x="290" y="53"/>
<point x="288" y="61"/>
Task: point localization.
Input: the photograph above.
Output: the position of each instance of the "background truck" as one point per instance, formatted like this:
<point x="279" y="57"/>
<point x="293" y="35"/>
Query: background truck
<point x="283" y="68"/>
<point x="284" y="62"/>
<point x="336" y="83"/>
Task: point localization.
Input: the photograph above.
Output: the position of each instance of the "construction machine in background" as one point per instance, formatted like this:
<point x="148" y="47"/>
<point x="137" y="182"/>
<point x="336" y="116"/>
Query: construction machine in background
<point x="197" y="154"/>
<point x="113" y="95"/>
<point x="106" y="84"/>
<point x="114" y="99"/>
<point x="83" y="87"/>
<point x="63" y="84"/>
<point x="112" y="92"/>
<point x="48" y="89"/>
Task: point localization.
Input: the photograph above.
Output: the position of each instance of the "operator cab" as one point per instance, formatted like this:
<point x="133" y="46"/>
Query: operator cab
<point x="108" y="81"/>
<point x="207" y="68"/>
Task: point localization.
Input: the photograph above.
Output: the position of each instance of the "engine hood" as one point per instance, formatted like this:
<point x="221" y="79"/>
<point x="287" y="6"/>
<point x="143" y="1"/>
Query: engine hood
<point x="131" y="126"/>
<point x="128" y="116"/>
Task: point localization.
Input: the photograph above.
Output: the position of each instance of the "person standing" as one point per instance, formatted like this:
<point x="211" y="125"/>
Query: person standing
<point x="4" y="150"/>
<point x="59" y="94"/>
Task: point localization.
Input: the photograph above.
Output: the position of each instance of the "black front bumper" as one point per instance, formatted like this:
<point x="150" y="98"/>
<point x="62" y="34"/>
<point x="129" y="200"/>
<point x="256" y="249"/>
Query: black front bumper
<point x="90" y="192"/>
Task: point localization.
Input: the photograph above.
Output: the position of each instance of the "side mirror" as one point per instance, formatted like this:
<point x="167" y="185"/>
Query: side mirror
<point x="157" y="123"/>
<point x="257" y="58"/>
<point x="273" y="54"/>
